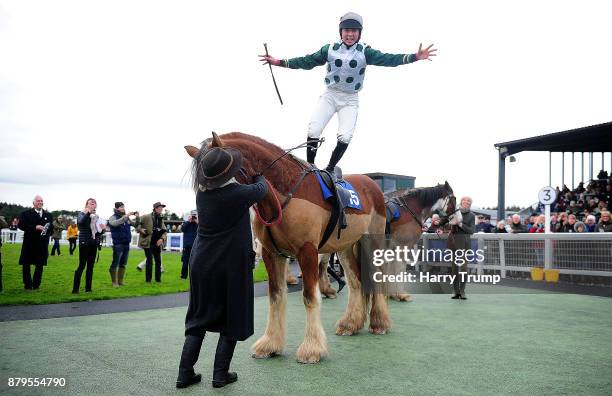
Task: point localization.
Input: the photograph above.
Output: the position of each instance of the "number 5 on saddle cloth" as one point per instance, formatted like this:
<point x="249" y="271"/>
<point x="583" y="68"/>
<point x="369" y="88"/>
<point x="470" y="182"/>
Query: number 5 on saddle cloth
<point x="341" y="195"/>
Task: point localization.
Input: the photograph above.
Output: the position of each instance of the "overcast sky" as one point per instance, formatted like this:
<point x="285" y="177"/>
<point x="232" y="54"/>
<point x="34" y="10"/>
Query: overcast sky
<point x="99" y="98"/>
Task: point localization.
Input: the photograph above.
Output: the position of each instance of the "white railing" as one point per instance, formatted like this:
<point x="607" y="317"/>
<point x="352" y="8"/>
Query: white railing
<point x="174" y="241"/>
<point x="570" y="253"/>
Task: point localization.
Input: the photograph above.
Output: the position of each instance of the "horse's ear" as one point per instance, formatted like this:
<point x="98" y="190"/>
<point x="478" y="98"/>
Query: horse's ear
<point x="192" y="151"/>
<point x="448" y="187"/>
<point x="216" y="141"/>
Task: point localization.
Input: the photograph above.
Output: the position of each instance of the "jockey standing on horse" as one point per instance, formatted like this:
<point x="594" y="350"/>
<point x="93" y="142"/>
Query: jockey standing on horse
<point x="346" y="64"/>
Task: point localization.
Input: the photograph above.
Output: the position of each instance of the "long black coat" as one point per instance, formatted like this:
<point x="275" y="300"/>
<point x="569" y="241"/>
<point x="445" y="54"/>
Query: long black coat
<point x="221" y="261"/>
<point x="35" y="247"/>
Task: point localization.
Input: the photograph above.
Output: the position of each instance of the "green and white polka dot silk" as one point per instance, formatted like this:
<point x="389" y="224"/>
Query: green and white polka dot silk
<point x="345" y="67"/>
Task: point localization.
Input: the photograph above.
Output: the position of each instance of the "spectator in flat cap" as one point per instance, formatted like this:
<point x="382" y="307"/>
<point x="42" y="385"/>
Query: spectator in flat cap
<point x="152" y="230"/>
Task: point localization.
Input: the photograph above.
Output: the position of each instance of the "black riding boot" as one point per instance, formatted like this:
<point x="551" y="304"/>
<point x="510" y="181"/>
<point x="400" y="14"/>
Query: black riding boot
<point x="336" y="155"/>
<point x="223" y="357"/>
<point x="189" y="357"/>
<point x="337" y="277"/>
<point x="311" y="150"/>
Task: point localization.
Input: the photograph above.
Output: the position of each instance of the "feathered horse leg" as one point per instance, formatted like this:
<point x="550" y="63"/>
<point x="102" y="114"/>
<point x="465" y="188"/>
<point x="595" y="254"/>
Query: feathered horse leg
<point x="314" y="346"/>
<point x="272" y="342"/>
<point x="354" y="317"/>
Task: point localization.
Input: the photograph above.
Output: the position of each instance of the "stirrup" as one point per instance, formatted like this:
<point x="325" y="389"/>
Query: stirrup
<point x="336" y="173"/>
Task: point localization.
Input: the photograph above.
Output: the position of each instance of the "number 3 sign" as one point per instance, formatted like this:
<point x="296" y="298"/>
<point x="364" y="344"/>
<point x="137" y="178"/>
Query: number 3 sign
<point x="547" y="195"/>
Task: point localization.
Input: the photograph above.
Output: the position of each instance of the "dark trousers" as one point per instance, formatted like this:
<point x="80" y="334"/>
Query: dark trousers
<point x="72" y="242"/>
<point x="87" y="258"/>
<point x="191" y="352"/>
<point x="29" y="282"/>
<point x="458" y="285"/>
<point x="56" y="246"/>
<point x="153" y="253"/>
<point x="225" y="349"/>
<point x="185" y="260"/>
<point x="120" y="256"/>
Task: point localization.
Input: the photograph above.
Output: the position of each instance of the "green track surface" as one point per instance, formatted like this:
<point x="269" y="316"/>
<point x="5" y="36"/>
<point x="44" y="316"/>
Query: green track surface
<point x="491" y="344"/>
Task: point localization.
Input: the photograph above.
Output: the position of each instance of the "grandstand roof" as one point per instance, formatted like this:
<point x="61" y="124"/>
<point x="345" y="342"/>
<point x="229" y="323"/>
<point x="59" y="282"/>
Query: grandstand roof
<point x="594" y="138"/>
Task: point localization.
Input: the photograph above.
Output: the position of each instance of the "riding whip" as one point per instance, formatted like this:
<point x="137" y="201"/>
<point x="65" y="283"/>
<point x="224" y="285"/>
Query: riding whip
<point x="272" y="73"/>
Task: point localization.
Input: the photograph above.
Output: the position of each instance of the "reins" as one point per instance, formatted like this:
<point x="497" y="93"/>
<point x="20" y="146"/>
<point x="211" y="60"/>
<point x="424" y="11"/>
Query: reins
<point x="279" y="208"/>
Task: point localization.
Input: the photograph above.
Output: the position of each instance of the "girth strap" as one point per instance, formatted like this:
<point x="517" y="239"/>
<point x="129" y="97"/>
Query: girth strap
<point x="334" y="217"/>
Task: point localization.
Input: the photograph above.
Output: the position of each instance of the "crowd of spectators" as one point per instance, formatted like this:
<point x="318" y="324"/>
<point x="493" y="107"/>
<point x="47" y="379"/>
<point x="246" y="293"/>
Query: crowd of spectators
<point x="39" y="226"/>
<point x="583" y="209"/>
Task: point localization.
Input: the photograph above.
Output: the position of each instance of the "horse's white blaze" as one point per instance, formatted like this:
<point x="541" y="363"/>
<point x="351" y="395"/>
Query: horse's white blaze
<point x="439" y="205"/>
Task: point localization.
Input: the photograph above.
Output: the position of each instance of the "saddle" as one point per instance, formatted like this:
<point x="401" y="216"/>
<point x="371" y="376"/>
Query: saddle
<point x="340" y="199"/>
<point x="392" y="210"/>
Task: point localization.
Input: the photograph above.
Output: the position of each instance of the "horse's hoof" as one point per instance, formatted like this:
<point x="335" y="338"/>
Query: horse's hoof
<point x="311" y="361"/>
<point x="268" y="356"/>
<point x="331" y="294"/>
<point x="292" y="280"/>
<point x="264" y="348"/>
<point x="378" y="331"/>
<point x="310" y="358"/>
<point x="342" y="330"/>
<point x="404" y="298"/>
<point x="311" y="352"/>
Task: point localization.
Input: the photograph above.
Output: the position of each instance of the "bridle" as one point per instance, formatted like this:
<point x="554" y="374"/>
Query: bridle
<point x="306" y="170"/>
<point x="401" y="201"/>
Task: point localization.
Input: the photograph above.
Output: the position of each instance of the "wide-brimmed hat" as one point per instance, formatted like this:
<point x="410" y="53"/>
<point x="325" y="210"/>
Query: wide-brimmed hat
<point x="218" y="166"/>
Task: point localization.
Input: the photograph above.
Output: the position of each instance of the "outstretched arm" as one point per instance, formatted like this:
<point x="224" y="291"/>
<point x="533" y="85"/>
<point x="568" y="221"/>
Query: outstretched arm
<point x="377" y="58"/>
<point x="307" y="62"/>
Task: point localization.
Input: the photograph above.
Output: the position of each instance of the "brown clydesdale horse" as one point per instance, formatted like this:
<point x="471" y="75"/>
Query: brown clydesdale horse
<point x="416" y="206"/>
<point x="303" y="222"/>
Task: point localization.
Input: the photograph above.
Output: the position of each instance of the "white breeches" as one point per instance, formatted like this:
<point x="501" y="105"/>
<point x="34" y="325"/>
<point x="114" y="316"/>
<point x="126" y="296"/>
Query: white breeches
<point x="334" y="101"/>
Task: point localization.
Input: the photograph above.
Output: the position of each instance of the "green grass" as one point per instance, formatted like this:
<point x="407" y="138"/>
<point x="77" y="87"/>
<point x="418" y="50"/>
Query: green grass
<point x="58" y="275"/>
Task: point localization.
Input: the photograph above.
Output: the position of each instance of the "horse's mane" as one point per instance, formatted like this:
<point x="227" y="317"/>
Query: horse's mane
<point x="281" y="172"/>
<point x="426" y="196"/>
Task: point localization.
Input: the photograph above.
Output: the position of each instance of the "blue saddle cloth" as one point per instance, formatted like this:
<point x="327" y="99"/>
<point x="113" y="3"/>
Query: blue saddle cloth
<point x="347" y="195"/>
<point x="393" y="211"/>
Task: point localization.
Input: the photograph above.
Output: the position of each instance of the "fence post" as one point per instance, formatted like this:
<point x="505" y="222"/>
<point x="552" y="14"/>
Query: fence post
<point x="547" y="252"/>
<point x="502" y="258"/>
<point x="479" y="264"/>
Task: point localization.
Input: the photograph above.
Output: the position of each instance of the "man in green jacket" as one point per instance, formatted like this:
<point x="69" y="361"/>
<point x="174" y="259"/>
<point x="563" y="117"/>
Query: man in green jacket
<point x="58" y="227"/>
<point x="152" y="230"/>
<point x="346" y="65"/>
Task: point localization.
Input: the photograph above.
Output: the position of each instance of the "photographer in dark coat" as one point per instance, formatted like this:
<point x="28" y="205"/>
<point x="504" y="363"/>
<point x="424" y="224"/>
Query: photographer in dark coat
<point x="221" y="264"/>
<point x="37" y="225"/>
<point x="189" y="230"/>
